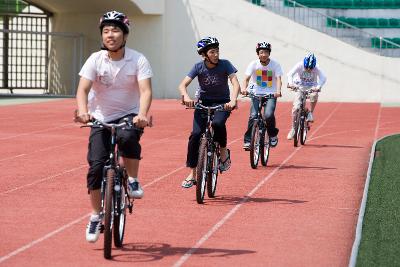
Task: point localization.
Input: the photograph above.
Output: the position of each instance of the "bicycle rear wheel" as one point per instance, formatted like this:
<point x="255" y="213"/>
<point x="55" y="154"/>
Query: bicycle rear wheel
<point x="264" y="147"/>
<point x="120" y="211"/>
<point x="212" y="177"/>
<point x="108" y="203"/>
<point x="255" y="145"/>
<point x="201" y="171"/>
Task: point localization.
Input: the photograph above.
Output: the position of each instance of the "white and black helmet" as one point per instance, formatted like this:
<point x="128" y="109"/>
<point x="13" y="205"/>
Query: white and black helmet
<point x="117" y="18"/>
<point x="206" y="44"/>
<point x="263" y="45"/>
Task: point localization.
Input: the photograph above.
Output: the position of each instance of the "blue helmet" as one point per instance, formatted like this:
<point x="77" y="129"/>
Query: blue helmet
<point x="310" y="61"/>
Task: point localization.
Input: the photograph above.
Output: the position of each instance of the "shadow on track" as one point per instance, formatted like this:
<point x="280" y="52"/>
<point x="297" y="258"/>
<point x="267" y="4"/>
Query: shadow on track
<point x="234" y="200"/>
<point x="147" y="252"/>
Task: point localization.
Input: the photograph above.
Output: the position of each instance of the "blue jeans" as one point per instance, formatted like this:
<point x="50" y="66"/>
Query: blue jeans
<point x="269" y="116"/>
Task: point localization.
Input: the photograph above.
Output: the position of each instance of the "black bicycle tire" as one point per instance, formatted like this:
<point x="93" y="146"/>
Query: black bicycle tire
<point x="119" y="231"/>
<point x="296" y="129"/>
<point x="200" y="179"/>
<point x="303" y="133"/>
<point x="211" y="183"/>
<point x="108" y="203"/>
<point x="264" y="148"/>
<point x="254" y="132"/>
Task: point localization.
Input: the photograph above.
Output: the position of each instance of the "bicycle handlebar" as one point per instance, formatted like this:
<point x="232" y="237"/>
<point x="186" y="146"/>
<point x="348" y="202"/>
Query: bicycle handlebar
<point x="296" y="88"/>
<point x="267" y="96"/>
<point x="126" y="122"/>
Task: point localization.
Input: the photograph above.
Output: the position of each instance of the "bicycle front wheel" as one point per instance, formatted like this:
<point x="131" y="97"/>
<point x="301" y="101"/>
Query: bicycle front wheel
<point x="120" y="211"/>
<point x="303" y="130"/>
<point x="297" y="128"/>
<point x="201" y="171"/>
<point x="255" y="145"/>
<point x="212" y="177"/>
<point x="108" y="209"/>
<point x="264" y="147"/>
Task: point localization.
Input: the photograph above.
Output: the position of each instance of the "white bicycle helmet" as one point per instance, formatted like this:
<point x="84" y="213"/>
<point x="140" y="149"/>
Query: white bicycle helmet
<point x="117" y="18"/>
<point x="263" y="45"/>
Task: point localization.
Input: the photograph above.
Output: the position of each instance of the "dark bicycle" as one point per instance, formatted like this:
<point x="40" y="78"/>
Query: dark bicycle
<point x="114" y="197"/>
<point x="209" y="157"/>
<point x="301" y="125"/>
<point x="259" y="144"/>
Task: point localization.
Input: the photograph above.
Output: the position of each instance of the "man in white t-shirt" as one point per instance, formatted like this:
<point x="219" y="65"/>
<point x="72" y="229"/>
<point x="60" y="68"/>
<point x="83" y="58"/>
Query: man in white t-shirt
<point x="264" y="75"/>
<point x="115" y="84"/>
<point x="307" y="75"/>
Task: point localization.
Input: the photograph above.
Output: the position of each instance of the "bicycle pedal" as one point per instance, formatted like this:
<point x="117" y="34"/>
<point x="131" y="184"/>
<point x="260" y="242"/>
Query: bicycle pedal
<point x="102" y="228"/>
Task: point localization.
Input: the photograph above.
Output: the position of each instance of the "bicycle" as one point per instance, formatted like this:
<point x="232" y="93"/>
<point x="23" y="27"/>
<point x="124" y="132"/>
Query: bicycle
<point x="114" y="197"/>
<point x="301" y="125"/>
<point x="259" y="136"/>
<point x="209" y="157"/>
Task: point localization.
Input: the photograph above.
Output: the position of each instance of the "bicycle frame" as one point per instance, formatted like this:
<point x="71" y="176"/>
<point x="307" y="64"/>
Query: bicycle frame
<point x="301" y="124"/>
<point x="259" y="138"/>
<point x="207" y="167"/>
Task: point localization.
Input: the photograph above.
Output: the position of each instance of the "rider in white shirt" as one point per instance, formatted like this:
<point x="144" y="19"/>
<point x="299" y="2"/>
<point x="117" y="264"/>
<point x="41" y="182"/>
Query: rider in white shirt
<point x="115" y="85"/>
<point x="308" y="75"/>
<point x="263" y="77"/>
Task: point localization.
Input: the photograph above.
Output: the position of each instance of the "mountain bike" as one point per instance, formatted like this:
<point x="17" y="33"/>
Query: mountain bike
<point x="259" y="144"/>
<point x="114" y="198"/>
<point x="301" y="125"/>
<point x="209" y="157"/>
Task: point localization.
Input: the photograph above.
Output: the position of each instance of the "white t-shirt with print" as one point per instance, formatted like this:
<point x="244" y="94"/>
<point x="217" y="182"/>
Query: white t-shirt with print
<point x="115" y="88"/>
<point x="299" y="76"/>
<point x="263" y="78"/>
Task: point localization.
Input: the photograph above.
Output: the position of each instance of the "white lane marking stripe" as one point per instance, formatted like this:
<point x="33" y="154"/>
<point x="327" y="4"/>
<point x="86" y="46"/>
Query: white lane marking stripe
<point x="31" y="244"/>
<point x="213" y="229"/>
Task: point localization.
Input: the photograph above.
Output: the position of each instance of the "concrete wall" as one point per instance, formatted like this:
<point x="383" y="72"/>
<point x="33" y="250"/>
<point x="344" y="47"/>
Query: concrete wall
<point x="168" y="37"/>
<point x="353" y="74"/>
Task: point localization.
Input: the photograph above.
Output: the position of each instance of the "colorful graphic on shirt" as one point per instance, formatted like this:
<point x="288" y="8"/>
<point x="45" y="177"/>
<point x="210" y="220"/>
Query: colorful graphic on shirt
<point x="264" y="78"/>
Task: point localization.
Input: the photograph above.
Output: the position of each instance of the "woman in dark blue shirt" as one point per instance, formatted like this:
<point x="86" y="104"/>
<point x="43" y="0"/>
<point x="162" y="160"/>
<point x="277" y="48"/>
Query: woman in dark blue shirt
<point x="213" y="74"/>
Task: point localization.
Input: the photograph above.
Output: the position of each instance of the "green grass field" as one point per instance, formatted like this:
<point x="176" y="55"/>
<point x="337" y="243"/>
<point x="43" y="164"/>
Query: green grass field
<point x="380" y="240"/>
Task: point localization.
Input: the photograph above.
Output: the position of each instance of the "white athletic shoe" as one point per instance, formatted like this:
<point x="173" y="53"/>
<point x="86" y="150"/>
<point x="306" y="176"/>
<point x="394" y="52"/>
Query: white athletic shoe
<point x="291" y="134"/>
<point x="134" y="189"/>
<point x="93" y="229"/>
<point x="310" y="117"/>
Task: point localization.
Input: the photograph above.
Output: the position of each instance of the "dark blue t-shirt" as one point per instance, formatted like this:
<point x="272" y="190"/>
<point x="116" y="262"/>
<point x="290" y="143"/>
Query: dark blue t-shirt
<point x="213" y="82"/>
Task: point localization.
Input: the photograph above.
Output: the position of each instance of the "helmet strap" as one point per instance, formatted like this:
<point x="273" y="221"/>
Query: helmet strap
<point x="207" y="59"/>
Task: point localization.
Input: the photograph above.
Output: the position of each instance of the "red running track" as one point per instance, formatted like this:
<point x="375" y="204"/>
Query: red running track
<point x="301" y="210"/>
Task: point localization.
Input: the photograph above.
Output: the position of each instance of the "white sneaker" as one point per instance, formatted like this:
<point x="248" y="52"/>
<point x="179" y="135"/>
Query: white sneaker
<point x="310" y="117"/>
<point x="291" y="134"/>
<point x="134" y="189"/>
<point x="93" y="229"/>
<point x="246" y="146"/>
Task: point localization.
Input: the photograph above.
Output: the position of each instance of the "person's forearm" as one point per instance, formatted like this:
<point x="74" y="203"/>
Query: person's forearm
<point x="145" y="102"/>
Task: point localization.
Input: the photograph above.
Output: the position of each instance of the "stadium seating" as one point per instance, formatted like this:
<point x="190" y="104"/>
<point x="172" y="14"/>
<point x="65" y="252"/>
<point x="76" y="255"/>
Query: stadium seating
<point x="357" y="4"/>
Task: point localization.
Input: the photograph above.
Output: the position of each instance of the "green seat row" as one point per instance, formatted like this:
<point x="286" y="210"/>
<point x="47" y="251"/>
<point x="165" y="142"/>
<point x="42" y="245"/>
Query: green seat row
<point x="354" y="4"/>
<point x="364" y="22"/>
<point x="376" y="43"/>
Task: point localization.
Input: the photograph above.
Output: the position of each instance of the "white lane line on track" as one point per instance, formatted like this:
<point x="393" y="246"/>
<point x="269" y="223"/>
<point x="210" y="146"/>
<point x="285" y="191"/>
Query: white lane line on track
<point x="35" y="132"/>
<point x="42" y="180"/>
<point x="40" y="150"/>
<point x="220" y="223"/>
<point x="31" y="244"/>
<point x="360" y="219"/>
<point x="47" y="236"/>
